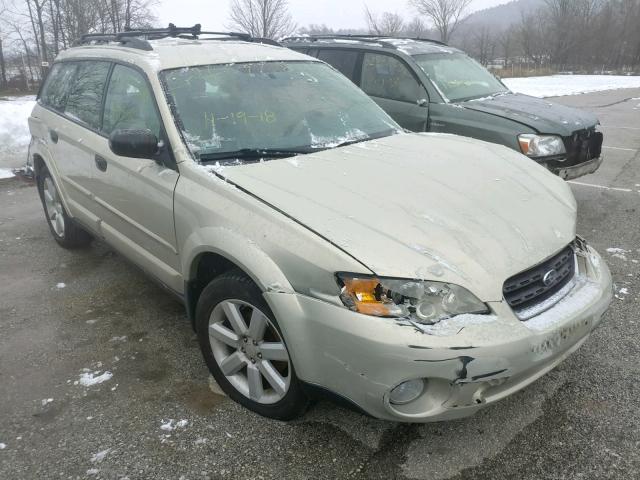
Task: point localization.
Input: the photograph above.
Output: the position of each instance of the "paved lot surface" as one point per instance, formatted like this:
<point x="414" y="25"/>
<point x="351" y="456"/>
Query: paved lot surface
<point x="63" y="312"/>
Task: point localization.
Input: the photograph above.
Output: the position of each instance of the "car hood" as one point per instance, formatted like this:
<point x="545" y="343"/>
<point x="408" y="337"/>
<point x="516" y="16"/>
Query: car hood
<point x="428" y="206"/>
<point x="537" y="113"/>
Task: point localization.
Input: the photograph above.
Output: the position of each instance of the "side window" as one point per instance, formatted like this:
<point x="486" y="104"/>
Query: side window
<point x="385" y="76"/>
<point x="344" y="61"/>
<point x="84" y="100"/>
<point x="57" y="86"/>
<point x="129" y="103"/>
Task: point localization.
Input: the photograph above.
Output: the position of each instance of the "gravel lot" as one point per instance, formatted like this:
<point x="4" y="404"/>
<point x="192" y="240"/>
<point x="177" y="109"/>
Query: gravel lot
<point x="63" y="312"/>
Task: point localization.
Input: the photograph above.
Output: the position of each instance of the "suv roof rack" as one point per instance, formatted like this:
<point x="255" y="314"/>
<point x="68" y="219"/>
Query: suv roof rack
<point x="139" y="39"/>
<point x="379" y="39"/>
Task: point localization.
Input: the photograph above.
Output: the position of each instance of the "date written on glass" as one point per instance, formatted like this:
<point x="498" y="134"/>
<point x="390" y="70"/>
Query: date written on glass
<point x="241" y="118"/>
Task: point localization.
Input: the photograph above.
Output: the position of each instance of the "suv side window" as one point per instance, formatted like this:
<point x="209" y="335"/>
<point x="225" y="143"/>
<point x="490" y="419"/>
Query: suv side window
<point x="56" y="88"/>
<point x="345" y="61"/>
<point x="84" y="100"/>
<point x="129" y="103"/>
<point x="385" y="76"/>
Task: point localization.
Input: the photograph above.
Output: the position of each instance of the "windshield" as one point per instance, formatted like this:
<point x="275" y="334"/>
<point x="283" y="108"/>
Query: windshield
<point x="459" y="77"/>
<point x="295" y="107"/>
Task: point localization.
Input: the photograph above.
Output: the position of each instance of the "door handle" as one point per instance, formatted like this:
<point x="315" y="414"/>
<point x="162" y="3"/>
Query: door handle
<point x="101" y="163"/>
<point x="53" y="135"/>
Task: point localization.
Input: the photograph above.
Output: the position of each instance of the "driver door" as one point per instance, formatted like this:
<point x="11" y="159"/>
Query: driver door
<point x="134" y="197"/>
<point x="388" y="81"/>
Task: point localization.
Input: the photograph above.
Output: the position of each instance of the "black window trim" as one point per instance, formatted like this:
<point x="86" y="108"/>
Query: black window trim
<point x="168" y="160"/>
<point x="408" y="67"/>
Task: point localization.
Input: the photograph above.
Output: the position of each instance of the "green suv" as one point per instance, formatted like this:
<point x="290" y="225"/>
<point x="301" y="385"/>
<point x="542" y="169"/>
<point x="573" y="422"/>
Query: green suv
<point x="428" y="86"/>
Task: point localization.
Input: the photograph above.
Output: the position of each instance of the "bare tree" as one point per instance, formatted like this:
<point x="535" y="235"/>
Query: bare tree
<point x="446" y="15"/>
<point x="262" y="18"/>
<point x="389" y="24"/>
<point x="416" y="28"/>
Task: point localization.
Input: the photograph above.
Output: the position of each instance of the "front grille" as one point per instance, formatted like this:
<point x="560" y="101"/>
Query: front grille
<point x="540" y="282"/>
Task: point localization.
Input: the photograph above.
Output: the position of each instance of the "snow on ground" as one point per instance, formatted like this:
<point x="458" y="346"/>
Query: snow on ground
<point x="89" y="378"/>
<point x="559" y="85"/>
<point x="14" y="131"/>
<point x="6" y="173"/>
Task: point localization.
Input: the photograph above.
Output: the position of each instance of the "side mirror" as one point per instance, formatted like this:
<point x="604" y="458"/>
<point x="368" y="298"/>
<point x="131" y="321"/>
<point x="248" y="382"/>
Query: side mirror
<point x="423" y="102"/>
<point x="134" y="143"/>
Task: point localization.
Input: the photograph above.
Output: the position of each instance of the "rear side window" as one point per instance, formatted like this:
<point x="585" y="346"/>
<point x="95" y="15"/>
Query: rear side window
<point x="56" y="88"/>
<point x="344" y="61"/>
<point x="84" y="100"/>
<point x="388" y="77"/>
<point x="129" y="103"/>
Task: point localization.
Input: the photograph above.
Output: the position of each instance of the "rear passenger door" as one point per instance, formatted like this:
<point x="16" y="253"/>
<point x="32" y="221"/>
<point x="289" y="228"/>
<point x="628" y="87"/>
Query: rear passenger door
<point x="389" y="81"/>
<point x="134" y="197"/>
<point x="73" y="95"/>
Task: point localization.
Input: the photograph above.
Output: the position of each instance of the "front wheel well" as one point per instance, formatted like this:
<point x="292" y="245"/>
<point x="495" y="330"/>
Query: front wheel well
<point x="206" y="267"/>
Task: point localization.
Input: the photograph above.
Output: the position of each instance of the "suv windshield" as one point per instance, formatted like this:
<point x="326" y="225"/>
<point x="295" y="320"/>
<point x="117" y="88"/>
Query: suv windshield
<point x="282" y="108"/>
<point x="459" y="77"/>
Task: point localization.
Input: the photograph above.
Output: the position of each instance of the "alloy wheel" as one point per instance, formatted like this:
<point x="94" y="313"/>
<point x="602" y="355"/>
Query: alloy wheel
<point x="249" y="351"/>
<point x="53" y="206"/>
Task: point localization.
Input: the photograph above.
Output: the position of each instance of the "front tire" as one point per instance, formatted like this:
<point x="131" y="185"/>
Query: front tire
<point x="244" y="349"/>
<point x="64" y="230"/>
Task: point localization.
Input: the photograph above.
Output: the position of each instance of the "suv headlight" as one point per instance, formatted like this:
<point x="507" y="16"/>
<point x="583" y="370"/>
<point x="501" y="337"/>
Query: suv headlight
<point x="422" y="301"/>
<point x="541" y="145"/>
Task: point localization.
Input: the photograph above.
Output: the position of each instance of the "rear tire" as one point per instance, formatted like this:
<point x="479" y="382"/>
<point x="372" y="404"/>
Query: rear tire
<point x="64" y="230"/>
<point x="244" y="349"/>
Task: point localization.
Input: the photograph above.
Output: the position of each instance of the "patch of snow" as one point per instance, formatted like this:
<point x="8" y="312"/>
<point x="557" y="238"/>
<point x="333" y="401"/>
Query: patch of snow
<point x="89" y="379"/>
<point x="169" y="426"/>
<point x="61" y="285"/>
<point x="123" y="338"/>
<point x="452" y="326"/>
<point x="6" y="173"/>
<point x="580" y="297"/>
<point x="46" y="401"/>
<point x="14" y="129"/>
<point x="3" y="446"/>
<point x="559" y="85"/>
<point x="93" y="471"/>
<point x="98" y="457"/>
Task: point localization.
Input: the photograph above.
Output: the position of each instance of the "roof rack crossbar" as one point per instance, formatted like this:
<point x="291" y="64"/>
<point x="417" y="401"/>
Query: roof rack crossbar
<point x="139" y="38"/>
<point x="379" y="39"/>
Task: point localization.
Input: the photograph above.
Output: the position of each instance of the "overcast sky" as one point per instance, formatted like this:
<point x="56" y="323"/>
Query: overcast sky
<point x="213" y="14"/>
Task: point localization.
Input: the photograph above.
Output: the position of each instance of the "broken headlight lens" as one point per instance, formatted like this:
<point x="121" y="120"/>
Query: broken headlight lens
<point x="419" y="300"/>
<point x="541" y="145"/>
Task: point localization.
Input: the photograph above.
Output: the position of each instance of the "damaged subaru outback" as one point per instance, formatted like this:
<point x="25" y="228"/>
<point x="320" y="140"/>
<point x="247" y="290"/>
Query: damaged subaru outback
<point x="317" y="247"/>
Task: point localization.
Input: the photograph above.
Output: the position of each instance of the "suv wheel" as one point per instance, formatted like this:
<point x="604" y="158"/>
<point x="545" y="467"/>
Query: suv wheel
<point x="244" y="349"/>
<point x="64" y="230"/>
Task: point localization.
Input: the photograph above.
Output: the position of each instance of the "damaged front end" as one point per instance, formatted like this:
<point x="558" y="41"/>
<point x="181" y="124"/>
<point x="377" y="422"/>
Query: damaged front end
<point x="403" y="369"/>
<point x="583" y="155"/>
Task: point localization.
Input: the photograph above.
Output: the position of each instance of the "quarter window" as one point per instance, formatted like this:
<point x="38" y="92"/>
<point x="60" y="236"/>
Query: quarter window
<point x="56" y="88"/>
<point x="129" y="103"/>
<point x="388" y="77"/>
<point x="84" y="100"/>
<point x="344" y="61"/>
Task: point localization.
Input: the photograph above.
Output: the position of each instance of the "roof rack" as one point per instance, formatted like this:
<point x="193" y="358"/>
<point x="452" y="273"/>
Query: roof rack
<point x="139" y="39"/>
<point x="379" y="39"/>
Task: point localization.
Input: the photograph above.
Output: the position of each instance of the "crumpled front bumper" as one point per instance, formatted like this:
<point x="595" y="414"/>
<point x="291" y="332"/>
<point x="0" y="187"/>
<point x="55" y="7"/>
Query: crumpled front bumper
<point x="467" y="364"/>
<point x="569" y="173"/>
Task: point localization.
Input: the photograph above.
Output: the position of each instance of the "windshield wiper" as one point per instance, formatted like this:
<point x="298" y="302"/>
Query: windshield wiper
<point x="252" y="154"/>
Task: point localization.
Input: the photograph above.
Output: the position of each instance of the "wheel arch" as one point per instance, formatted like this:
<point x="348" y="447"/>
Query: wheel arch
<point x="210" y="252"/>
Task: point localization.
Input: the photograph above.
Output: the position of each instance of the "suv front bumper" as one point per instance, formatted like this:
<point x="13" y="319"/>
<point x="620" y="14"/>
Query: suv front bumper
<point x="466" y="367"/>
<point x="569" y="173"/>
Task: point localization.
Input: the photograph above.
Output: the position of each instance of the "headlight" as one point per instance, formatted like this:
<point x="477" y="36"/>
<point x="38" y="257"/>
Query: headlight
<point x="420" y="300"/>
<point x="541" y="145"/>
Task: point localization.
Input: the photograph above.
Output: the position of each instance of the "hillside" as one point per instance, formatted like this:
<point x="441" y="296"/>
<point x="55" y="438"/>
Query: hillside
<point x="501" y="16"/>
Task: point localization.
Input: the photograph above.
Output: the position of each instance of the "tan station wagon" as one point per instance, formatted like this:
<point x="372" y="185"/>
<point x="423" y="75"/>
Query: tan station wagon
<point x="319" y="249"/>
